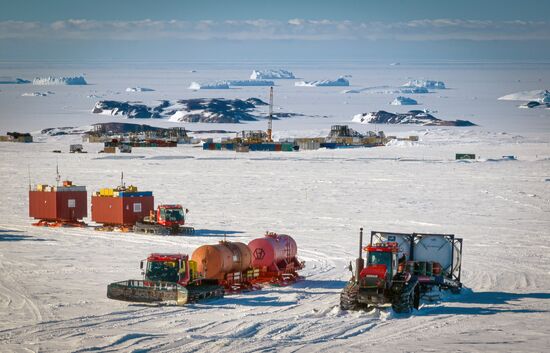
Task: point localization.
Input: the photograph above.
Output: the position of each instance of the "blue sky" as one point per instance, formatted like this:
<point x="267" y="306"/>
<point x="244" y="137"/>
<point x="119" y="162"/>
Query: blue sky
<point x="278" y="30"/>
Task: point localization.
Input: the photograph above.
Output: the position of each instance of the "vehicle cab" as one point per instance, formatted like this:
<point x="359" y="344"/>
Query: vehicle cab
<point x="381" y="261"/>
<point x="171" y="215"/>
<point x="174" y="268"/>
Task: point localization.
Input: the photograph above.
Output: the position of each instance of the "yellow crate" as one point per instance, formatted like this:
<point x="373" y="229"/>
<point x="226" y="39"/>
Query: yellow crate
<point x="106" y="192"/>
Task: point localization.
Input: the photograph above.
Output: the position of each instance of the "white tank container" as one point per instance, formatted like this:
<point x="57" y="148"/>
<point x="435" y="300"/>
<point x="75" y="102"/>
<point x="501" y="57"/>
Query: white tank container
<point x="403" y="241"/>
<point x="438" y="248"/>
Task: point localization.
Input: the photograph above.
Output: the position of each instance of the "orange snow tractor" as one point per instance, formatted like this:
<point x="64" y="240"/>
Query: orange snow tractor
<point x="400" y="268"/>
<point x="168" y="278"/>
<point x="166" y="220"/>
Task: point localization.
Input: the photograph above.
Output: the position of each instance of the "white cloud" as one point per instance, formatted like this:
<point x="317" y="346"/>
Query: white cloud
<point x="296" y="29"/>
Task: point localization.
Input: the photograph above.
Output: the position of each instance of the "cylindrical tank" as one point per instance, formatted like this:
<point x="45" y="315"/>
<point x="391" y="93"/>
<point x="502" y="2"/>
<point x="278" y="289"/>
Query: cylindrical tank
<point x="438" y="248"/>
<point x="215" y="261"/>
<point x="272" y="248"/>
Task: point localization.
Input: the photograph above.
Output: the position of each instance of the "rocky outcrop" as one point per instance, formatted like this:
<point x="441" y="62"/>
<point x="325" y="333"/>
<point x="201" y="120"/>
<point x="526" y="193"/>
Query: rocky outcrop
<point x="419" y="117"/>
<point x="203" y="110"/>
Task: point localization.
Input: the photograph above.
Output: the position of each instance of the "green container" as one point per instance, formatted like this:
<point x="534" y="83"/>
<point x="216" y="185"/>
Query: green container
<point x="287" y="147"/>
<point x="465" y="156"/>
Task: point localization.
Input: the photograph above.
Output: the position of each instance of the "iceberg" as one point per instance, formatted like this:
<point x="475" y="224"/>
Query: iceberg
<point x="44" y="81"/>
<point x="35" y="94"/>
<point x="323" y="83"/>
<point x="426" y="84"/>
<point x="403" y="101"/>
<point x="239" y="83"/>
<point x="10" y="80"/>
<point x="139" y="89"/>
<point x="271" y="75"/>
<point x="209" y="85"/>
<point x="541" y="96"/>
<point x="391" y="90"/>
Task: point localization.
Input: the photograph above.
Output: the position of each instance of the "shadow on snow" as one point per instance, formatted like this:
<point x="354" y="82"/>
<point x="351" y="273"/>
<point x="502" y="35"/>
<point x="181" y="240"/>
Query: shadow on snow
<point x="13" y="235"/>
<point x="489" y="303"/>
<point x="215" y="233"/>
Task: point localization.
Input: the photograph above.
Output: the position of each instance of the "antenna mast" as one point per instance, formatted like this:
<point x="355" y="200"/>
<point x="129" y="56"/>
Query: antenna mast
<point x="57" y="177"/>
<point x="270" y="118"/>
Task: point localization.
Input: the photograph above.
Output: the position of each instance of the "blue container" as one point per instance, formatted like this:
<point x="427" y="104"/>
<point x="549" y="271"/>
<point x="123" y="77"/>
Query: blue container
<point x="329" y="145"/>
<point x="262" y="147"/>
<point x="135" y="194"/>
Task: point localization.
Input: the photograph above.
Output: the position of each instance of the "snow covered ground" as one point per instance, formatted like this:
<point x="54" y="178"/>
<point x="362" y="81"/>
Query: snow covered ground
<point x="53" y="281"/>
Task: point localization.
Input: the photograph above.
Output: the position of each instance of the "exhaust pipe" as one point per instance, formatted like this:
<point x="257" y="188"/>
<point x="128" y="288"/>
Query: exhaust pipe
<point x="359" y="262"/>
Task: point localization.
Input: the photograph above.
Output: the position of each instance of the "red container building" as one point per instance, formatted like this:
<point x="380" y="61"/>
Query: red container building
<point x="121" y="208"/>
<point x="58" y="205"/>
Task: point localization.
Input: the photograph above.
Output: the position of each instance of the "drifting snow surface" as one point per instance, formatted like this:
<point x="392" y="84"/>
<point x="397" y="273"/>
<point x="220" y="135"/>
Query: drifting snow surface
<point x="139" y="89"/>
<point x="271" y="74"/>
<point x="45" y="81"/>
<point x="53" y="282"/>
<point x="541" y="96"/>
<point x="426" y="84"/>
<point x="209" y="85"/>
<point x="403" y="101"/>
<point x="341" y="81"/>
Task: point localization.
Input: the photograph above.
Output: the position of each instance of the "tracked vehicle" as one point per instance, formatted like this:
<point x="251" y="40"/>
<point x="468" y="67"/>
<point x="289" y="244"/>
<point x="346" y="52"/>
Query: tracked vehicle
<point x="165" y="220"/>
<point x="212" y="271"/>
<point x="400" y="268"/>
<point x="168" y="279"/>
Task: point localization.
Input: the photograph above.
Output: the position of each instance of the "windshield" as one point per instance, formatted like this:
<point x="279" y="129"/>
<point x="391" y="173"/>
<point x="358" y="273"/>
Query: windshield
<point x="173" y="215"/>
<point x="166" y="271"/>
<point x="380" y="258"/>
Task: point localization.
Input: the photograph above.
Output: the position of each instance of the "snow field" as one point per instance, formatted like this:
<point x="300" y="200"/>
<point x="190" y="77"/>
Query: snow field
<point x="53" y="283"/>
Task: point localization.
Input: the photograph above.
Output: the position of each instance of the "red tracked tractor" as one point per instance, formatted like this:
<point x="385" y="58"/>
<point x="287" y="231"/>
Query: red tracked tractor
<point x="165" y="220"/>
<point x="168" y="278"/>
<point x="400" y="268"/>
<point x="212" y="271"/>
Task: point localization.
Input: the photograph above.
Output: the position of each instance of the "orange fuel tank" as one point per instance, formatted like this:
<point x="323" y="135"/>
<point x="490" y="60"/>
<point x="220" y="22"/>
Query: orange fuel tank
<point x="215" y="261"/>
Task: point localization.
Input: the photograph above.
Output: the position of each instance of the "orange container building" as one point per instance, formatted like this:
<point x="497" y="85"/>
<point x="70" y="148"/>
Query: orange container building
<point x="121" y="208"/>
<point x="58" y="204"/>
